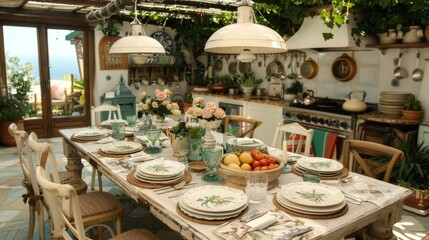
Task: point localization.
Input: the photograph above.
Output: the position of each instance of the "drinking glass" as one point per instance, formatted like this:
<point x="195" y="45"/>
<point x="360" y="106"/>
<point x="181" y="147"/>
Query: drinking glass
<point x="153" y="135"/>
<point x="131" y="119"/>
<point x="182" y="145"/>
<point x="229" y="142"/>
<point x="308" y="176"/>
<point x="256" y="187"/>
<point x="212" y="157"/>
<point x="118" y="130"/>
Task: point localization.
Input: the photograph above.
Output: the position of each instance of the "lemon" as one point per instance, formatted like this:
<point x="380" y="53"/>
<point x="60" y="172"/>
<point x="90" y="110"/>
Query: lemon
<point x="245" y="167"/>
<point x="234" y="166"/>
<point x="231" y="158"/>
<point x="245" y="157"/>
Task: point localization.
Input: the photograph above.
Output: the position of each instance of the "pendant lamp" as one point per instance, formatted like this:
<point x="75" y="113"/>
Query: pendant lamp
<point x="245" y="35"/>
<point x="137" y="42"/>
<point x="246" y="56"/>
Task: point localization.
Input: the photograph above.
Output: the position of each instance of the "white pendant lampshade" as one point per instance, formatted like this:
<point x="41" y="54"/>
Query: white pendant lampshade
<point x="246" y="56"/>
<point x="137" y="42"/>
<point x="245" y="34"/>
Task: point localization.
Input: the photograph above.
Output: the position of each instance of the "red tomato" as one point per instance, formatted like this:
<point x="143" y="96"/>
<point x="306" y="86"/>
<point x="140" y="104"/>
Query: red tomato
<point x="264" y="168"/>
<point x="257" y="169"/>
<point x="263" y="162"/>
<point x="255" y="164"/>
<point x="276" y="165"/>
<point x="270" y="160"/>
<point x="271" y="166"/>
<point x="253" y="152"/>
<point x="258" y="156"/>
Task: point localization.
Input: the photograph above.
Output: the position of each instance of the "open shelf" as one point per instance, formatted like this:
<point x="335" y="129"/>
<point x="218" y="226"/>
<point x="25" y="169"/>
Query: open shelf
<point x="384" y="47"/>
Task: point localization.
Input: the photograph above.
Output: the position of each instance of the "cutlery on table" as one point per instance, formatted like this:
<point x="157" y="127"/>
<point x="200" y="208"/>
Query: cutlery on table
<point x="354" y="199"/>
<point x="295" y="233"/>
<point x="176" y="187"/>
<point x="252" y="215"/>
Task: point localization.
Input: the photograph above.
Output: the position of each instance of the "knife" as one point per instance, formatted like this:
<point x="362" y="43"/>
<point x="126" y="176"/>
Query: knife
<point x="290" y="236"/>
<point x="254" y="216"/>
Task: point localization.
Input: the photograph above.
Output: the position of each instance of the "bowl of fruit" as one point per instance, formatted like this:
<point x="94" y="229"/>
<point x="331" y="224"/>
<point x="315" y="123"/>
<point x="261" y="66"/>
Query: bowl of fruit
<point x="235" y="167"/>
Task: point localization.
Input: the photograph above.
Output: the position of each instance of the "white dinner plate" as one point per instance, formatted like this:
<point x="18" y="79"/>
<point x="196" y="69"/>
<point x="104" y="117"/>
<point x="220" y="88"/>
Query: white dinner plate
<point x="183" y="205"/>
<point x="166" y="168"/>
<point x="157" y="181"/>
<point x="312" y="194"/>
<point x="319" y="164"/>
<point x="215" y="198"/>
<point x="159" y="177"/>
<point x="90" y="133"/>
<point x="207" y="217"/>
<point x="122" y="147"/>
<point x="307" y="209"/>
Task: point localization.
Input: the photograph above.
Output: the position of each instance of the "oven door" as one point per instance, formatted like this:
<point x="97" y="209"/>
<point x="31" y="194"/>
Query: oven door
<point x="341" y="137"/>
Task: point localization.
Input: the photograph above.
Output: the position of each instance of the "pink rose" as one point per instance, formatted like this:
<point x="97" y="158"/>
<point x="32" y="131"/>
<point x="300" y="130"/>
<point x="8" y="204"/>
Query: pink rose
<point x="210" y="105"/>
<point x="207" y="113"/>
<point x="165" y="102"/>
<point x="219" y="113"/>
<point x="154" y="104"/>
<point x="189" y="111"/>
<point x="175" y="106"/>
<point x="169" y="106"/>
<point x="197" y="100"/>
<point x="143" y="94"/>
<point x="167" y="91"/>
<point x="196" y="111"/>
<point x="157" y="91"/>
<point x="161" y="96"/>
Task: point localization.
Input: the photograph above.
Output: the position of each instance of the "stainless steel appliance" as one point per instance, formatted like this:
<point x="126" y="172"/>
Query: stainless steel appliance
<point x="325" y="114"/>
<point x="230" y="109"/>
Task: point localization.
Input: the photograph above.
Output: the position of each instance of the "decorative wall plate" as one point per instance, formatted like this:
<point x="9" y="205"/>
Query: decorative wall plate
<point x="188" y="72"/>
<point x="165" y="40"/>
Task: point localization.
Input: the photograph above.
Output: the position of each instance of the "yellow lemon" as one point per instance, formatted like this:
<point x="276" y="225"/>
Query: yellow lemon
<point x="245" y="157"/>
<point x="231" y="158"/>
<point x="234" y="166"/>
<point x="245" y="167"/>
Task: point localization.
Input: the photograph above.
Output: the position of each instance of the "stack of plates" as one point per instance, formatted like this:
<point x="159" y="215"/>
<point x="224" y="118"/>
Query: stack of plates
<point x="247" y="144"/>
<point x="213" y="202"/>
<point x="90" y="135"/>
<point x="109" y="122"/>
<point x="323" y="166"/>
<point x="160" y="172"/>
<point x="311" y="198"/>
<point x="122" y="148"/>
<point x="391" y="103"/>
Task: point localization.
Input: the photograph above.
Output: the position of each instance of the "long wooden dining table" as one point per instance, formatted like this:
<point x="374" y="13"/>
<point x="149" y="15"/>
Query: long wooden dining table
<point x="372" y="220"/>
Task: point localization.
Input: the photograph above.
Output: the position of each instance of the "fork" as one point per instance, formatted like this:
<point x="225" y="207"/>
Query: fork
<point x="295" y="232"/>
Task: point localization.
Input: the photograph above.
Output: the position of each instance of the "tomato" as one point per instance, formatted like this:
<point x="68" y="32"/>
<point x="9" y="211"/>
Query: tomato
<point x="255" y="164"/>
<point x="271" y="160"/>
<point x="263" y="162"/>
<point x="258" y="156"/>
<point x="271" y="166"/>
<point x="276" y="165"/>
<point x="264" y="168"/>
<point x="254" y="152"/>
<point x="257" y="169"/>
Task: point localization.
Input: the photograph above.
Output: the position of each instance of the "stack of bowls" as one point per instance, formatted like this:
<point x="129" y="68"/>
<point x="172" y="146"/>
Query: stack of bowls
<point x="391" y="103"/>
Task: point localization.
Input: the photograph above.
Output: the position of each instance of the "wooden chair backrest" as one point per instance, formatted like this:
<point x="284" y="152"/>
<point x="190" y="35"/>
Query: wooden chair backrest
<point x="302" y="136"/>
<point x="357" y="151"/>
<point x="247" y="125"/>
<point x="114" y="112"/>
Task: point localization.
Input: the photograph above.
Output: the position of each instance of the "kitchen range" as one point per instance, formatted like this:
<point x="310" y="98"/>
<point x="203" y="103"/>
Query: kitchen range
<point x="327" y="115"/>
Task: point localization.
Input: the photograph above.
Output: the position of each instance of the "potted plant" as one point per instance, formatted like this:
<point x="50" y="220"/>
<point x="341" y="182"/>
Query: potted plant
<point x="412" y="109"/>
<point x="291" y="91"/>
<point x="12" y="111"/>
<point x="248" y="82"/>
<point x="413" y="172"/>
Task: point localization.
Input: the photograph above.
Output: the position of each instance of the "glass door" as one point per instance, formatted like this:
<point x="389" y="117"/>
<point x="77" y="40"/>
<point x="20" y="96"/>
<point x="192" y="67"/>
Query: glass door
<point x="45" y="67"/>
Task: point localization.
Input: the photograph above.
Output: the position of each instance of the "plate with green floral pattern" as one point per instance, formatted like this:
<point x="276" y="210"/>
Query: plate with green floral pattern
<point x="165" y="168"/>
<point x="307" y="209"/>
<point x="209" y="215"/>
<point x="319" y="164"/>
<point x="122" y="147"/>
<point x="215" y="199"/>
<point x="312" y="194"/>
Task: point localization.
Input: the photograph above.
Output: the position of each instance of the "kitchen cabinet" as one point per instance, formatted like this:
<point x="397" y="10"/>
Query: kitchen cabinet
<point x="138" y="73"/>
<point x="269" y="115"/>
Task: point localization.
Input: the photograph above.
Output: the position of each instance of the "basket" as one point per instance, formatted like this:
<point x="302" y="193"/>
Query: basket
<point x="237" y="178"/>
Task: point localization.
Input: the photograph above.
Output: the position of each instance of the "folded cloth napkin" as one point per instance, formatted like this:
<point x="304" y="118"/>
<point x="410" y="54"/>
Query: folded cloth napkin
<point x="106" y="140"/>
<point x="244" y="141"/>
<point x="140" y="158"/>
<point x="261" y="222"/>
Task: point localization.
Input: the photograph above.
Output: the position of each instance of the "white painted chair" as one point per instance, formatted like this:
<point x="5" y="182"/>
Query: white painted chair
<point x="96" y="208"/>
<point x="301" y="136"/>
<point x="114" y="113"/>
<point x="63" y="201"/>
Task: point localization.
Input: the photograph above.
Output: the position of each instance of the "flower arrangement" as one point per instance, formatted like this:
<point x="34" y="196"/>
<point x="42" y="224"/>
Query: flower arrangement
<point x="159" y="105"/>
<point x="207" y="111"/>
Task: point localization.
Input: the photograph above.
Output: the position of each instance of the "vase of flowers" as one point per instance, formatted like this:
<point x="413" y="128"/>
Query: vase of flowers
<point x="158" y="106"/>
<point x="209" y="117"/>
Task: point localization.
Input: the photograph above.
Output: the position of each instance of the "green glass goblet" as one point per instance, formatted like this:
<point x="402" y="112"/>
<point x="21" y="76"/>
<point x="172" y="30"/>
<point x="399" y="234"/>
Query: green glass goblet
<point x="153" y="135"/>
<point x="212" y="157"/>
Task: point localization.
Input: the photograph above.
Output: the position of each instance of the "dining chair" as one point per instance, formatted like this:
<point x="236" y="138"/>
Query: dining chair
<point x="96" y="207"/>
<point x="68" y="214"/>
<point x="241" y="126"/>
<point x="298" y="139"/>
<point x="371" y="159"/>
<point x="33" y="195"/>
<point x="114" y="112"/>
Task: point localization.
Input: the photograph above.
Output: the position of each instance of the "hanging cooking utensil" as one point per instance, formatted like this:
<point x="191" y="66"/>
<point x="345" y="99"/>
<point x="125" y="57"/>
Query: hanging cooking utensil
<point x="344" y="68"/>
<point x="292" y="74"/>
<point x="309" y="69"/>
<point x="399" y="72"/>
<point x="417" y="74"/>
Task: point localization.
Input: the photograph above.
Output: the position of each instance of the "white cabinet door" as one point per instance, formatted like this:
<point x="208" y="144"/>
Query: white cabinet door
<point x="270" y="117"/>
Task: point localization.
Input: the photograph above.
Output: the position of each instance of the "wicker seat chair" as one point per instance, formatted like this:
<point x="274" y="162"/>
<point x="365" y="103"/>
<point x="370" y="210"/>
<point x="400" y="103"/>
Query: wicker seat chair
<point x="241" y="126"/>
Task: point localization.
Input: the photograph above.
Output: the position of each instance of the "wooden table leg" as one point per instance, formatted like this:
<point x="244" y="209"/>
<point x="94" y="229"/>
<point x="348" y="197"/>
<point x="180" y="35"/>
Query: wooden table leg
<point x="382" y="228"/>
<point x="74" y="162"/>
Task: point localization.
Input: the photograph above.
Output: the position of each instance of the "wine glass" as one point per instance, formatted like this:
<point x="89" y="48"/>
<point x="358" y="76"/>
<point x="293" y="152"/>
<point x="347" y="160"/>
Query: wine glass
<point x="153" y="135"/>
<point x="182" y="145"/>
<point x="212" y="157"/>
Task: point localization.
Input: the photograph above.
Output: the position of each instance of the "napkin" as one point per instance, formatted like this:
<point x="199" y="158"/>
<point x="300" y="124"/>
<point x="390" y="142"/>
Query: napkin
<point x="105" y="140"/>
<point x="140" y="158"/>
<point x="244" y="141"/>
<point x="261" y="223"/>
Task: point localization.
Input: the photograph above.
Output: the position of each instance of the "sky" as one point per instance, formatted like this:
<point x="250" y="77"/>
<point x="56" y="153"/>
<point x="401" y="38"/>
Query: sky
<point x="22" y="42"/>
